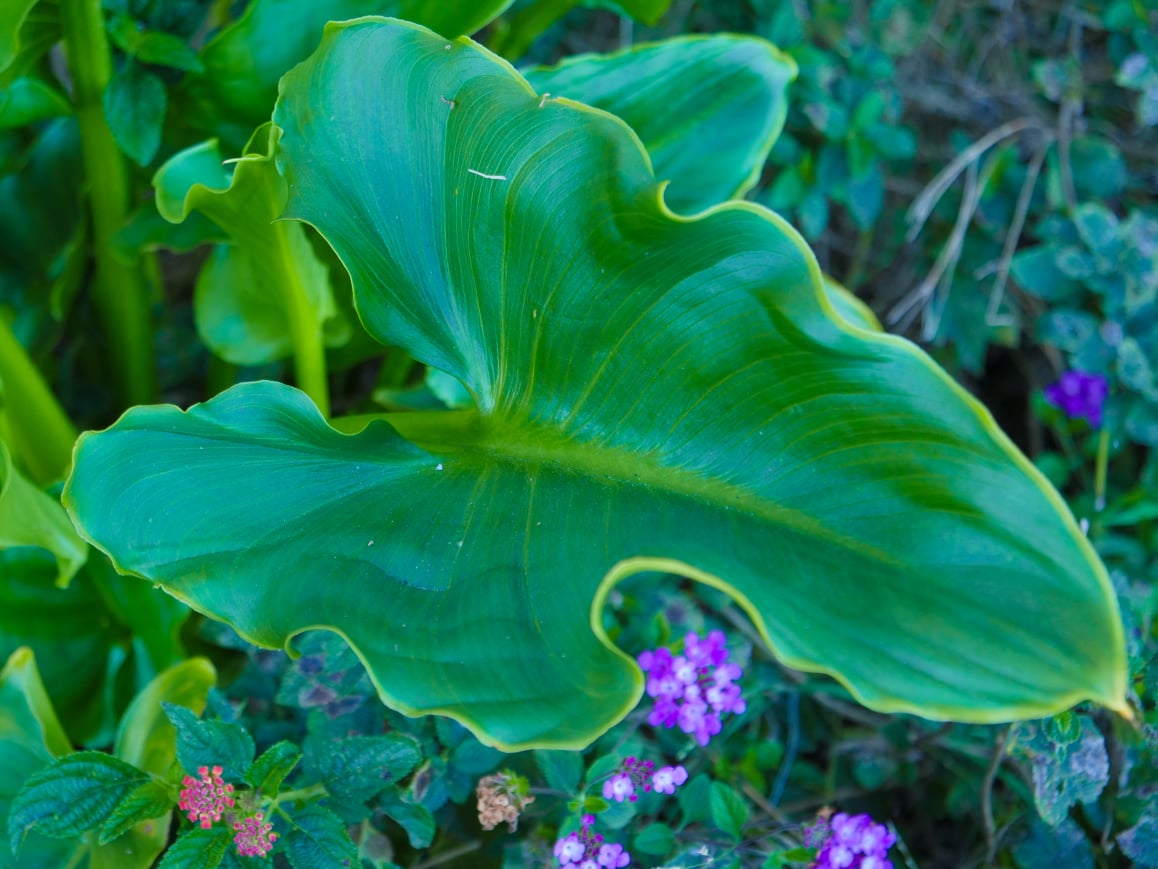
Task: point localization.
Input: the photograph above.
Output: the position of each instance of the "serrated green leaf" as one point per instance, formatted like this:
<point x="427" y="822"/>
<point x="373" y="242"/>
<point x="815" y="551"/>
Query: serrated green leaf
<point x="414" y="818"/>
<point x="30" y="736"/>
<point x="135" y="103"/>
<point x="198" y="849"/>
<point x="266" y="291"/>
<point x="318" y="840"/>
<point x="562" y="770"/>
<point x="729" y="811"/>
<point x="357" y="768"/>
<point x="71" y="795"/>
<point x="652" y="393"/>
<point x="150" y="800"/>
<point x="1140" y="842"/>
<point x="655" y="839"/>
<point x="706" y="108"/>
<point x="29" y="517"/>
<point x="210" y="743"/>
<point x="1064" y="772"/>
<point x="275" y="763"/>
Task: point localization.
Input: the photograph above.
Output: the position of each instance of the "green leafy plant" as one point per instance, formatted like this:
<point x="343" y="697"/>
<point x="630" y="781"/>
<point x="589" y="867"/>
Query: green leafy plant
<point x="623" y="414"/>
<point x="538" y="266"/>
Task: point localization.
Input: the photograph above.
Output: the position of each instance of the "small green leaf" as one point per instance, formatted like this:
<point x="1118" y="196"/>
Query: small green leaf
<point x="471" y="757"/>
<point x="562" y="770"/>
<point x="29" y="517"/>
<point x="165" y="49"/>
<point x="29" y="100"/>
<point x="210" y="743"/>
<point x="1098" y="227"/>
<point x="357" y="768"/>
<point x="275" y="763"/>
<point x="135" y="103"/>
<point x="1140" y="842"/>
<point x="866" y="196"/>
<point x="70" y="795"/>
<point x="318" y="840"/>
<point x="1065" y="772"/>
<point x="1036" y="271"/>
<point x="1068" y="330"/>
<point x="198" y="849"/>
<point x="729" y="811"/>
<point x="150" y="800"/>
<point x="785" y="858"/>
<point x="655" y="839"/>
<point x="603" y="767"/>
<point x="414" y="818"/>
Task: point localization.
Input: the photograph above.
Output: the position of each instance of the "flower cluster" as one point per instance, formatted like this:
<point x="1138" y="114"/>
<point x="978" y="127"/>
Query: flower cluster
<point x="1079" y="395"/>
<point x="253" y="836"/>
<point x="639" y="774"/>
<point x="205" y="798"/>
<point x="586" y="850"/>
<point x="851" y="842"/>
<point x="500" y="798"/>
<point x="693" y="690"/>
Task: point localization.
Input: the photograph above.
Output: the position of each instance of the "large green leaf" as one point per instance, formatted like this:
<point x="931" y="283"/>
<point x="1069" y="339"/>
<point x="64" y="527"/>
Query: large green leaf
<point x="29" y="517"/>
<point x="652" y="393"/>
<point x="242" y="63"/>
<point x="104" y="631"/>
<point x="266" y="290"/>
<point x="707" y="108"/>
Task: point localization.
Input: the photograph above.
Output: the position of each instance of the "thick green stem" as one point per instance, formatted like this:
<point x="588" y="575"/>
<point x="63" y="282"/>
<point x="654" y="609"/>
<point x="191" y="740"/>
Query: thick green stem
<point x="120" y="290"/>
<point x="42" y="435"/>
<point x="305" y="330"/>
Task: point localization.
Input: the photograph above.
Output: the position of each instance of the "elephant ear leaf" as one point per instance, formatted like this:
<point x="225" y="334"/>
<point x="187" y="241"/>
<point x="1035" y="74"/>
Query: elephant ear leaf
<point x="707" y="108"/>
<point x="650" y="393"/>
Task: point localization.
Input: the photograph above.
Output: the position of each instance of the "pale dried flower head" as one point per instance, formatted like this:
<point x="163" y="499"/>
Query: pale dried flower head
<point x="500" y="799"/>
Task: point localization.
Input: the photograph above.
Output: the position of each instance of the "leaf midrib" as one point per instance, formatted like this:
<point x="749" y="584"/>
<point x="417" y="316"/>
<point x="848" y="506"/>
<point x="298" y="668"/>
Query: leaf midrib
<point x="470" y="434"/>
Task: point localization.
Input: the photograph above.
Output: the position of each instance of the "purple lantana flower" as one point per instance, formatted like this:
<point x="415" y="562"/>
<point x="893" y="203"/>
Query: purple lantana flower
<point x="1079" y="395"/>
<point x="586" y="850"/>
<point x="693" y="690"/>
<point x="851" y="842"/>
<point x="668" y="778"/>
